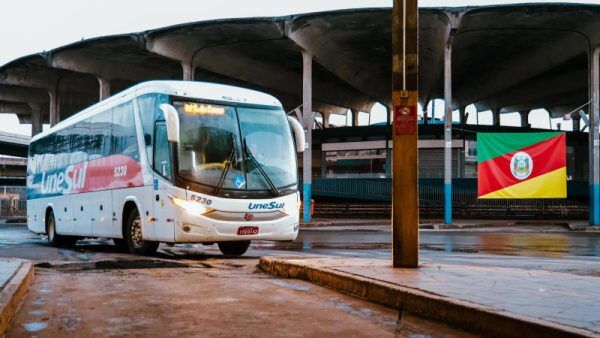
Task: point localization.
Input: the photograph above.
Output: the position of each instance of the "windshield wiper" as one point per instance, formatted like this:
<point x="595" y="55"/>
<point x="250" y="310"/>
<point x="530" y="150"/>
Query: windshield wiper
<point x="225" y="170"/>
<point x="245" y="149"/>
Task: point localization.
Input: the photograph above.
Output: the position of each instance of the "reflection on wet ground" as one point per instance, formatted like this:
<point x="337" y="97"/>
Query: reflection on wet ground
<point x="551" y="245"/>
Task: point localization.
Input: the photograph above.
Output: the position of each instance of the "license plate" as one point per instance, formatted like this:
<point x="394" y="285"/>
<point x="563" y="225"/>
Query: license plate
<point x="246" y="230"/>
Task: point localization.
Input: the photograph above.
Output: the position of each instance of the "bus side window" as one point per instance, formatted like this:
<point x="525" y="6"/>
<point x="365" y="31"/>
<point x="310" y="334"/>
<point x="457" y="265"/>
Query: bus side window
<point x="162" y="160"/>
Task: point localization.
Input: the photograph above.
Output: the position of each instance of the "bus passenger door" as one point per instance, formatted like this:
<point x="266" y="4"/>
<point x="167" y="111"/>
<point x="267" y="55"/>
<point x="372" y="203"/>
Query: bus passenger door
<point x="164" y="230"/>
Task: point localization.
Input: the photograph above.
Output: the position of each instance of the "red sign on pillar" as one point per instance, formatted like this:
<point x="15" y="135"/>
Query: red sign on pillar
<point x="405" y="120"/>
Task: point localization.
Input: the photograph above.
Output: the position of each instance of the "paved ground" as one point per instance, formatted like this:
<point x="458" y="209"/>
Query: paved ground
<point x="94" y="290"/>
<point x="61" y="301"/>
<point x="561" y="298"/>
<point x="215" y="298"/>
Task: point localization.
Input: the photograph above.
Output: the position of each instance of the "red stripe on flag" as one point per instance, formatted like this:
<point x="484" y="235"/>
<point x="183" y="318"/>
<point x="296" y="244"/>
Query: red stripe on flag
<point x="496" y="174"/>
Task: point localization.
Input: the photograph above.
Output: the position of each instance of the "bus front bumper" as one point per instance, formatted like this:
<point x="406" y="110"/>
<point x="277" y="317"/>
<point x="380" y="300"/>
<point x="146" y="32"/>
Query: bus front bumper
<point x="197" y="229"/>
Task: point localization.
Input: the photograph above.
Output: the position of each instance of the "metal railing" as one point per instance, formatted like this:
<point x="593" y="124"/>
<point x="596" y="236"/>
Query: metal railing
<point x="431" y="192"/>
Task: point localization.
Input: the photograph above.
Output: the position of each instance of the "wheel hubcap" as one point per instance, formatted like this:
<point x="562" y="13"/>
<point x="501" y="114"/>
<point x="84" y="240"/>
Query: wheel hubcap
<point x="136" y="233"/>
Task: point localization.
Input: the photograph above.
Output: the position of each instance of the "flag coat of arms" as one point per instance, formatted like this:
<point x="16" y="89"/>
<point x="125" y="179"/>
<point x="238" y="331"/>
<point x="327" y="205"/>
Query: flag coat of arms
<point x="521" y="165"/>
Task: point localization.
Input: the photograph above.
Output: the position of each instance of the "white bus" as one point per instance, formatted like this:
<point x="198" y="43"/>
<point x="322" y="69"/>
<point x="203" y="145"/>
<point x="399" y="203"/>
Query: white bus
<point x="171" y="162"/>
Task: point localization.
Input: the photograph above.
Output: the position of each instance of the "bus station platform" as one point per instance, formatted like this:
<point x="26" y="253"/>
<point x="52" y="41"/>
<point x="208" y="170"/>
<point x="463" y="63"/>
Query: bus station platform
<point x="496" y="301"/>
<point x="15" y="277"/>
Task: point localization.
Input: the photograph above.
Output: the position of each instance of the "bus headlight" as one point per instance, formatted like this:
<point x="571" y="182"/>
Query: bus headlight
<point x="190" y="206"/>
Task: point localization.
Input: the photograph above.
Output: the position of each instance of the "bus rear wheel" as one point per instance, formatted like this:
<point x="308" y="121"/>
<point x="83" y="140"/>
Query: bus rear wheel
<point x="133" y="235"/>
<point x="236" y="248"/>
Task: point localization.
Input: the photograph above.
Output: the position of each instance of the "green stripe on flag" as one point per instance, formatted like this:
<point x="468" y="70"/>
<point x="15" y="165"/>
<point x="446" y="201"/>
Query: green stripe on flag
<point x="492" y="145"/>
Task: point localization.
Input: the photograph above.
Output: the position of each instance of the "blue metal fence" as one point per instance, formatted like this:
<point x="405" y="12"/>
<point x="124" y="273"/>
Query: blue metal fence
<point x="431" y="192"/>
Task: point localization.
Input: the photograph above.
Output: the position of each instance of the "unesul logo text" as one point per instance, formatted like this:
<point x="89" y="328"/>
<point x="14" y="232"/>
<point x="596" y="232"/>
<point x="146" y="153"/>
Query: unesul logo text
<point x="265" y="206"/>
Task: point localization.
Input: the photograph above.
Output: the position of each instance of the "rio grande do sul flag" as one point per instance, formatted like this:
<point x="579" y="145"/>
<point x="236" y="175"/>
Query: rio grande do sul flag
<point x="521" y="165"/>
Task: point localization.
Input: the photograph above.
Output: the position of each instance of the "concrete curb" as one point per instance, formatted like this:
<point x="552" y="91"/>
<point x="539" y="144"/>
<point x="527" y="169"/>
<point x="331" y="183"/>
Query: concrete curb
<point x="470" y="316"/>
<point x="13" y="292"/>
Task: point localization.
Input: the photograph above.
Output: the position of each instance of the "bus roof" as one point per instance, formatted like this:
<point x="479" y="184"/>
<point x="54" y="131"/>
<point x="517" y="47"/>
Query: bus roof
<point x="191" y="89"/>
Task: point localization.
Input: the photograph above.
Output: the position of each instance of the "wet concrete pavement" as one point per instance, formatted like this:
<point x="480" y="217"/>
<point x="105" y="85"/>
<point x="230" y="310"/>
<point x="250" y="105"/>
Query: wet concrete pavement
<point x="184" y="291"/>
<point x="218" y="299"/>
<point x="115" y="300"/>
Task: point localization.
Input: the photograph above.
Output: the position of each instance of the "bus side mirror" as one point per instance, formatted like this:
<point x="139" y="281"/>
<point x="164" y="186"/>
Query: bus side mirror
<point x="299" y="134"/>
<point x="172" y="121"/>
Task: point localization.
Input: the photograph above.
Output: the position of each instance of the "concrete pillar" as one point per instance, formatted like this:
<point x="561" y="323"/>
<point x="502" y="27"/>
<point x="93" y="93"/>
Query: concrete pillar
<point x="188" y="71"/>
<point x="576" y="118"/>
<point x="524" y="119"/>
<point x="463" y="116"/>
<point x="54" y="107"/>
<point x="354" y="117"/>
<point x="104" y="88"/>
<point x="307" y="114"/>
<point x="594" y="139"/>
<point x="496" y="117"/>
<point x="36" y="119"/>
<point x="325" y="119"/>
<point x="448" y="132"/>
<point x="388" y="115"/>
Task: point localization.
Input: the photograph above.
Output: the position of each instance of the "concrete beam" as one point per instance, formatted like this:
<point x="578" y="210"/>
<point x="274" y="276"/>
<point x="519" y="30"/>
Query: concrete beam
<point x="22" y="94"/>
<point x="104" y="88"/>
<point x="36" y="119"/>
<point x="188" y="71"/>
<point x="496" y="117"/>
<point x="576" y="118"/>
<point x="307" y="112"/>
<point x="594" y="138"/>
<point x="454" y="20"/>
<point x="524" y="119"/>
<point x="17" y="108"/>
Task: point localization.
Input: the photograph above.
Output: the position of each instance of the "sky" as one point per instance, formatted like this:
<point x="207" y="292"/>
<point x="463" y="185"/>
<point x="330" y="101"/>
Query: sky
<point x="32" y="26"/>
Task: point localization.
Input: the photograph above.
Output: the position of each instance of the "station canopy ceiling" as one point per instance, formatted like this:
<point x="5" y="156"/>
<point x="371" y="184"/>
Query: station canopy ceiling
<point x="505" y="58"/>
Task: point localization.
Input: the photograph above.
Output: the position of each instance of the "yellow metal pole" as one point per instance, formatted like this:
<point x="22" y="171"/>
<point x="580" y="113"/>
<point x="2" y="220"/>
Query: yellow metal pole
<point x="405" y="193"/>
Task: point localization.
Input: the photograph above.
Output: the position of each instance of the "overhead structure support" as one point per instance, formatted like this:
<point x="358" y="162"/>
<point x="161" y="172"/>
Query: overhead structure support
<point x="462" y="115"/>
<point x="524" y="119"/>
<point x="405" y="206"/>
<point x="594" y="139"/>
<point x="104" y="86"/>
<point x="307" y="116"/>
<point x="388" y="115"/>
<point x="576" y="118"/>
<point x="326" y="119"/>
<point x="36" y="119"/>
<point x="496" y="117"/>
<point x="448" y="131"/>
<point x="188" y="71"/>
<point x="54" y="107"/>
<point x="354" y="117"/>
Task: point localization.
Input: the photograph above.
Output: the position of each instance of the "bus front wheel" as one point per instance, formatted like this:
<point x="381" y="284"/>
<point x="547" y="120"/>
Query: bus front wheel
<point x="133" y="234"/>
<point x="54" y="239"/>
<point x="236" y="248"/>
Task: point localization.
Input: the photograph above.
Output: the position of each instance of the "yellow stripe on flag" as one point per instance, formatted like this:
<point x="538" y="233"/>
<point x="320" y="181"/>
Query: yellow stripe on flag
<point x="550" y="185"/>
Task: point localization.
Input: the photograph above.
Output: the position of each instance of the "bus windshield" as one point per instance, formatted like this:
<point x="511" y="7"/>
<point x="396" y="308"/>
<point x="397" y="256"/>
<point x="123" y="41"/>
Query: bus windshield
<point x="235" y="148"/>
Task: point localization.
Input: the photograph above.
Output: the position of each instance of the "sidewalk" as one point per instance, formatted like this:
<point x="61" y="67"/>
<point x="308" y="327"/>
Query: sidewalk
<point x="15" y="277"/>
<point x="490" y="300"/>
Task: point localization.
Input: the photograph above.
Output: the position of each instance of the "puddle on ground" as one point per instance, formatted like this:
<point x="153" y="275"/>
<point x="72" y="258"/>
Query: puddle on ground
<point x="37" y="312"/>
<point x="290" y="285"/>
<point x="35" y="326"/>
